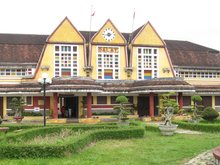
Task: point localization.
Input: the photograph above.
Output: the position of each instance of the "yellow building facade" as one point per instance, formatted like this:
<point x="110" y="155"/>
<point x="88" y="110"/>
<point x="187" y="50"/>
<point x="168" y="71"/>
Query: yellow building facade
<point x="89" y="69"/>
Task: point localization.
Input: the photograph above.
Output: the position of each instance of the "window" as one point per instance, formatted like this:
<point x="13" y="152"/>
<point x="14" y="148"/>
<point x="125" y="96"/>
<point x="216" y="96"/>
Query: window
<point x="130" y="99"/>
<point x="101" y="99"/>
<point x="186" y="100"/>
<point x="192" y="73"/>
<point x="108" y="63"/>
<point x="28" y="100"/>
<point x="16" y="72"/>
<point x="113" y="100"/>
<point x="147" y="63"/>
<point x="66" y="60"/>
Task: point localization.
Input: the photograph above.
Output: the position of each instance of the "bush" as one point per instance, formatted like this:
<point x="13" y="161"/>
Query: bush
<point x="71" y="145"/>
<point x="209" y="114"/>
<point x="198" y="126"/>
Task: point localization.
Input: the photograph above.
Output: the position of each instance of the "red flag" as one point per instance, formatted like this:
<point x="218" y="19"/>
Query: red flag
<point x="93" y="13"/>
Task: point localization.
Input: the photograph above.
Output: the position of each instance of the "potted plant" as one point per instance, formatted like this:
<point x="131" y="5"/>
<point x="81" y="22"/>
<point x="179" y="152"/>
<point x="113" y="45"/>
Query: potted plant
<point x="123" y="111"/>
<point x="17" y="105"/>
<point x="167" y="109"/>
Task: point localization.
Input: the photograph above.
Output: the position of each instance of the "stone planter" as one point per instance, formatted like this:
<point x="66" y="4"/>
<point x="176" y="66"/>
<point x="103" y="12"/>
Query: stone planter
<point x="18" y="119"/>
<point x="167" y="130"/>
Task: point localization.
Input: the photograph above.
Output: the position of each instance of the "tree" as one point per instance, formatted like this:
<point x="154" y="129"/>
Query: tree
<point x="196" y="112"/>
<point x="17" y="105"/>
<point x="123" y="111"/>
<point x="168" y="107"/>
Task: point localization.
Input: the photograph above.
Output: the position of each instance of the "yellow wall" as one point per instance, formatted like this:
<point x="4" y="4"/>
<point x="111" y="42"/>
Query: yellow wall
<point x="213" y="102"/>
<point x="122" y="72"/>
<point x="48" y="60"/>
<point x="66" y="32"/>
<point x="162" y="63"/>
<point x="148" y="36"/>
<point x="118" y="37"/>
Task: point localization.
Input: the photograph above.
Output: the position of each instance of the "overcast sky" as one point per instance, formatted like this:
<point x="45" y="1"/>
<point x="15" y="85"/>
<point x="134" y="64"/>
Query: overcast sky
<point x="192" y="20"/>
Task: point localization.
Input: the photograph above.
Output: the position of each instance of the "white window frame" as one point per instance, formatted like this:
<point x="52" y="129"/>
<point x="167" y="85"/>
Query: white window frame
<point x="152" y="62"/>
<point x="71" y="52"/>
<point x="103" y="68"/>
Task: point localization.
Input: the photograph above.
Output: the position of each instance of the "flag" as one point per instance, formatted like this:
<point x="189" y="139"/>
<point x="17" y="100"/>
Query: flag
<point x="134" y="15"/>
<point x="93" y="13"/>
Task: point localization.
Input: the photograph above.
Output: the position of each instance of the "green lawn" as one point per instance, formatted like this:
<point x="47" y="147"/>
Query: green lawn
<point x="150" y="150"/>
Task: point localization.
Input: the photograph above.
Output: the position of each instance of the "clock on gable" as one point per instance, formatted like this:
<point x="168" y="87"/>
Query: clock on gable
<point x="108" y="34"/>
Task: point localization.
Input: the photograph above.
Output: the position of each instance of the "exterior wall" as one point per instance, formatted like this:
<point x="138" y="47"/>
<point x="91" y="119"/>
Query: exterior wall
<point x="148" y="36"/>
<point x="66" y="33"/>
<point x="122" y="72"/>
<point x="163" y="62"/>
<point x="48" y="60"/>
<point x="118" y="39"/>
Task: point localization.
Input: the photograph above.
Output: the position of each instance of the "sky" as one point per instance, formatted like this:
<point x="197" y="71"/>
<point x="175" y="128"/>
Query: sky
<point x="189" y="20"/>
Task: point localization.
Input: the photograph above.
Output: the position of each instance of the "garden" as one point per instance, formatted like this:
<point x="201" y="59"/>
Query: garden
<point x="128" y="141"/>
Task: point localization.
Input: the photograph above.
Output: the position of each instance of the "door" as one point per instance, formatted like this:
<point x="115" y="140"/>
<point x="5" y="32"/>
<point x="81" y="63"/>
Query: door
<point x="1" y="107"/>
<point x="71" y="105"/>
<point x="143" y="106"/>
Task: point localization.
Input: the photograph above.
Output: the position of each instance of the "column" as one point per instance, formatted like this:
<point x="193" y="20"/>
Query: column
<point x="151" y="104"/>
<point x="180" y="100"/>
<point x="89" y="105"/>
<point x="4" y="106"/>
<point x="55" y="103"/>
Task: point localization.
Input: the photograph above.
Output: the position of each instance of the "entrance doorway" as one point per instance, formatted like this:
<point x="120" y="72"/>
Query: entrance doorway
<point x="71" y="106"/>
<point x="144" y="105"/>
<point x="1" y="107"/>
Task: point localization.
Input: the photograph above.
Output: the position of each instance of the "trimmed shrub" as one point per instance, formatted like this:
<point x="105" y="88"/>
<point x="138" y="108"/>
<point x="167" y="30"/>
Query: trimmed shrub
<point x="152" y="128"/>
<point x="198" y="126"/>
<point x="71" y="145"/>
<point x="209" y="114"/>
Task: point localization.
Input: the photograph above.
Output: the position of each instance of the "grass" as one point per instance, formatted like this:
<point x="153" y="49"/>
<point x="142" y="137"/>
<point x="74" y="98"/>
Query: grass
<point x="153" y="149"/>
<point x="56" y="137"/>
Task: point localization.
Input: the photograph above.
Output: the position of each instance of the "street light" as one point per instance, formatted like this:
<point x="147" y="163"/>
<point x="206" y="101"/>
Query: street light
<point x="44" y="80"/>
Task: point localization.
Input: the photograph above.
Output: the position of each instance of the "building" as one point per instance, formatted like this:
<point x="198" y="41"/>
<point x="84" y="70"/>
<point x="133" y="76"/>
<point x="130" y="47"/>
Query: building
<point x="89" y="69"/>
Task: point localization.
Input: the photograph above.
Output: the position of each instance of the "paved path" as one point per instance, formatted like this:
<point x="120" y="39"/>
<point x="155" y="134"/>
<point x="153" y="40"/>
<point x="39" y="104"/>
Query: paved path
<point x="205" y="158"/>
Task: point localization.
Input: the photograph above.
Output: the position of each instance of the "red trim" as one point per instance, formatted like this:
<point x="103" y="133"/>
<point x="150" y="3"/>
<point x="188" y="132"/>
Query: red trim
<point x="55" y="103"/>
<point x="180" y="100"/>
<point x="35" y="103"/>
<point x="89" y="105"/>
<point x="151" y="104"/>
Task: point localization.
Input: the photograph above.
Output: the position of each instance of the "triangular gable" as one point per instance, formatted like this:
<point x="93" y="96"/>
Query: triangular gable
<point x="108" y="34"/>
<point x="66" y="33"/>
<point x="147" y="35"/>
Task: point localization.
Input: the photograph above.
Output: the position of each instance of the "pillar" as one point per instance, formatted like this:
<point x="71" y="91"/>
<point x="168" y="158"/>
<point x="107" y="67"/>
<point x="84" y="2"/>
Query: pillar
<point x="180" y="100"/>
<point x="89" y="105"/>
<point x="55" y="103"/>
<point x="213" y="102"/>
<point x="151" y="104"/>
<point x="4" y="106"/>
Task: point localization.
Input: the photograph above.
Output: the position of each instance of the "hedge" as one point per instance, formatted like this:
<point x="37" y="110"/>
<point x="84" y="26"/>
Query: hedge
<point x="31" y="133"/>
<point x="72" y="145"/>
<point x="198" y="126"/>
<point x="152" y="128"/>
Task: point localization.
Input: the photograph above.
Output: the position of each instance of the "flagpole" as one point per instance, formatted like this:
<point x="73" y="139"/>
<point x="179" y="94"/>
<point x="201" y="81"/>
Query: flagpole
<point x="132" y="28"/>
<point x="90" y="24"/>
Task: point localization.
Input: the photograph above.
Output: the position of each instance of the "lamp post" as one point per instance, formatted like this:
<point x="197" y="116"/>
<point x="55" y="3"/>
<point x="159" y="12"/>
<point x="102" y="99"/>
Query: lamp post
<point x="44" y="80"/>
